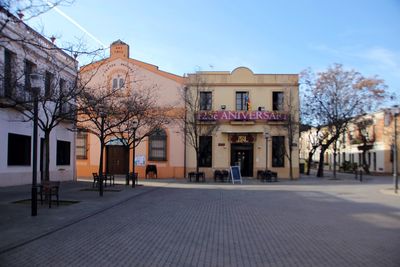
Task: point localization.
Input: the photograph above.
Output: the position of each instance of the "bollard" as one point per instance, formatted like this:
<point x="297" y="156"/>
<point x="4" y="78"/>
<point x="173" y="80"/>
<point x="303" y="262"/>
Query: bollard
<point x="361" y="175"/>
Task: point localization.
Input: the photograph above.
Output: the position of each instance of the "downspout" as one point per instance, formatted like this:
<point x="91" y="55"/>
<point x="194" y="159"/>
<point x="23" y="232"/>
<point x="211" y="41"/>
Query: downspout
<point x="184" y="145"/>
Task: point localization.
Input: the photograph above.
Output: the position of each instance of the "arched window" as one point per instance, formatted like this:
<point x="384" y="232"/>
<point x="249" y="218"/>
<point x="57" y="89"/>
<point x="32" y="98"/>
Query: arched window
<point x="158" y="145"/>
<point x="118" y="83"/>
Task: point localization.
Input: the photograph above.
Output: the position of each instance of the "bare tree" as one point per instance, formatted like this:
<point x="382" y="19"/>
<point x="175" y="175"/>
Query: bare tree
<point x="189" y="121"/>
<point x="366" y="138"/>
<point x="332" y="98"/>
<point x="292" y="126"/>
<point x="142" y="116"/>
<point x="34" y="54"/>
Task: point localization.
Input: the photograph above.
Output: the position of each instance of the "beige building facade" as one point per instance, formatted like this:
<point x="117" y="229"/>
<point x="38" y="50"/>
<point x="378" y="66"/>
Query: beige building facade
<point x="249" y="116"/>
<point x="164" y="150"/>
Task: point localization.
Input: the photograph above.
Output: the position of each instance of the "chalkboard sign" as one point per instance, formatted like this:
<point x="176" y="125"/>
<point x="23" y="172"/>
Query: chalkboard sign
<point x="235" y="174"/>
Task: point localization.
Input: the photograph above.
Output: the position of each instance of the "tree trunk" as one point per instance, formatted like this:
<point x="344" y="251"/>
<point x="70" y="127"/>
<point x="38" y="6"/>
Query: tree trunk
<point x="334" y="165"/>
<point x="310" y="155"/>
<point x="290" y="164"/>
<point x="364" y="160"/>
<point x="197" y="165"/>
<point x="47" y="156"/>
<point x="320" y="172"/>
<point x="133" y="158"/>
<point x="102" y="145"/>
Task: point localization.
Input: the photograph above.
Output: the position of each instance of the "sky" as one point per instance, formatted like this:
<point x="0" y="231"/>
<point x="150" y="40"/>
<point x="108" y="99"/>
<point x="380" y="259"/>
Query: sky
<point x="219" y="35"/>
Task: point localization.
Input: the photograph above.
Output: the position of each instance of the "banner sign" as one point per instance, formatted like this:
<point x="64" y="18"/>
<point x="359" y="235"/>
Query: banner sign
<point x="223" y="115"/>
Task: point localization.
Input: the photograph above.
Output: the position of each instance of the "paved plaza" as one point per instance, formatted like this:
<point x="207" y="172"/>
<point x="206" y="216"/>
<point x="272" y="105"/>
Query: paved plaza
<point x="311" y="222"/>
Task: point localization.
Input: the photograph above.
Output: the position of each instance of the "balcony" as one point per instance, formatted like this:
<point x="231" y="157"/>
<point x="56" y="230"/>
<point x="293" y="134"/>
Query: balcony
<point x="16" y="97"/>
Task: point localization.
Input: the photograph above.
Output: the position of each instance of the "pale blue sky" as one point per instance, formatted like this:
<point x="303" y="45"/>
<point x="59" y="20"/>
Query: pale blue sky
<point x="266" y="36"/>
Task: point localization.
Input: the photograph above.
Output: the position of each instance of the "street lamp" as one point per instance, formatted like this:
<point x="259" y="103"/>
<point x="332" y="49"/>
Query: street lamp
<point x="134" y="128"/>
<point x="36" y="81"/>
<point x="395" y="113"/>
<point x="103" y="115"/>
<point x="266" y="135"/>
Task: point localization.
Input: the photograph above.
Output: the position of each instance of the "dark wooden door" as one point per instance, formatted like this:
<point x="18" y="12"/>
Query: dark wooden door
<point x="242" y="155"/>
<point x="117" y="159"/>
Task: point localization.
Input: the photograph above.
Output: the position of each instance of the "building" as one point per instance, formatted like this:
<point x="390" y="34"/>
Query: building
<point x="244" y="119"/>
<point x="164" y="148"/>
<point x="371" y="133"/>
<point x="23" y="52"/>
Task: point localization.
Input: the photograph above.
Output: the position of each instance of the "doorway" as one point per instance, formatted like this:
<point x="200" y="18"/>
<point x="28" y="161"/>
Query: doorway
<point x="117" y="159"/>
<point x="242" y="155"/>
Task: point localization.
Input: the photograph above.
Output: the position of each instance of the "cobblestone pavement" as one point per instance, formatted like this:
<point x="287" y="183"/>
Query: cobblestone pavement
<point x="180" y="224"/>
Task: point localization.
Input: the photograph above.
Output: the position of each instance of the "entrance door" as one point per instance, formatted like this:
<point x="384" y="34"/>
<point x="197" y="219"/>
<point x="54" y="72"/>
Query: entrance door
<point x="117" y="159"/>
<point x="242" y="155"/>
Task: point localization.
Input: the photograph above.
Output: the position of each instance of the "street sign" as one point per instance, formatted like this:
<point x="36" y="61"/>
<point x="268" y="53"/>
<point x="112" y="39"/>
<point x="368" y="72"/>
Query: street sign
<point x="235" y="174"/>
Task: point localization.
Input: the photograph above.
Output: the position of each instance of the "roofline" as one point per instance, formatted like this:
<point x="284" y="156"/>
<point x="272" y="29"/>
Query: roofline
<point x="8" y="13"/>
<point x="150" y="67"/>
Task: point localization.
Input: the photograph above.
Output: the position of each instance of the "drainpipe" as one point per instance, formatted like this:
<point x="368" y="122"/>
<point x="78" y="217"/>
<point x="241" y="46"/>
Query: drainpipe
<point x="184" y="148"/>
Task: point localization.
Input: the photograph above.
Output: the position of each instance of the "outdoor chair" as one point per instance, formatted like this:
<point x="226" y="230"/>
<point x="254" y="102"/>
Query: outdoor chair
<point x="151" y="169"/>
<point x="111" y="178"/>
<point x="49" y="189"/>
<point x="132" y="177"/>
<point x="95" y="179"/>
<point x="225" y="175"/>
<point x="217" y="175"/>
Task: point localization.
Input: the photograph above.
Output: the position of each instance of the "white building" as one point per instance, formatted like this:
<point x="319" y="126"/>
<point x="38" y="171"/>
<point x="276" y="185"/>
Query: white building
<point x="23" y="51"/>
<point x="372" y="132"/>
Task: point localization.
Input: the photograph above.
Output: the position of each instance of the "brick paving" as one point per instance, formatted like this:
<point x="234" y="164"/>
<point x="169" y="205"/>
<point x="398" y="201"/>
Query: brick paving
<point x="180" y="224"/>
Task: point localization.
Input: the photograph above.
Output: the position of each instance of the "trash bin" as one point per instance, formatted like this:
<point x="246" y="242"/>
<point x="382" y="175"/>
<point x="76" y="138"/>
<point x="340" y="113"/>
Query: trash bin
<point x="301" y="167"/>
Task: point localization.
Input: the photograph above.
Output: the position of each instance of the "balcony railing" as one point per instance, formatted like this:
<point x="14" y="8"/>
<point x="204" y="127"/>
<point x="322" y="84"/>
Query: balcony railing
<point x="16" y="96"/>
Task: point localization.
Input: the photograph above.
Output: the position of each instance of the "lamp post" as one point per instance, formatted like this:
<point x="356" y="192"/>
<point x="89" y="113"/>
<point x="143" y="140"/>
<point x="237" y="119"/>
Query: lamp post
<point x="102" y="114"/>
<point x="134" y="128"/>
<point x="395" y="113"/>
<point x="36" y="81"/>
<point x="266" y="135"/>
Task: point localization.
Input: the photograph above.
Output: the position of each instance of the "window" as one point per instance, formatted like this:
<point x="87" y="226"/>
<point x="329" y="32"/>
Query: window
<point x="63" y="85"/>
<point x="158" y="145"/>
<point x="205" y="147"/>
<point x="63" y="152"/>
<point x="242" y="100"/>
<point x="278" y="151"/>
<point x="205" y="100"/>
<point x="81" y="145"/>
<point x="19" y="150"/>
<point x="29" y="67"/>
<point x="115" y="83"/>
<point x="48" y="84"/>
<point x="9" y="75"/>
<point x="277" y="98"/>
